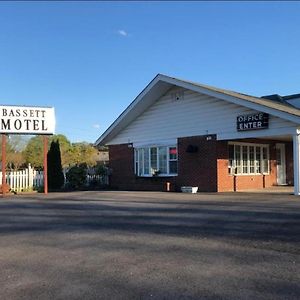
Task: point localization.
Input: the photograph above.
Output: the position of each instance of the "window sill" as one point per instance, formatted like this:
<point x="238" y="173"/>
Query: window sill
<point x="156" y="176"/>
<point x="254" y="174"/>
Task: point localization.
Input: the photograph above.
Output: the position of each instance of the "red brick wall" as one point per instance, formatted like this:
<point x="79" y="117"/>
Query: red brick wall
<point x="122" y="165"/>
<point x="225" y="182"/>
<point x="228" y="182"/>
<point x="207" y="168"/>
<point x="199" y="168"/>
<point x="196" y="169"/>
<point x="121" y="159"/>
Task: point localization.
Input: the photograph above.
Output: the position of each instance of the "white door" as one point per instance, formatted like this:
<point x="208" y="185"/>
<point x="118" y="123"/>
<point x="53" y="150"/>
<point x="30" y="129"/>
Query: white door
<point x="280" y="162"/>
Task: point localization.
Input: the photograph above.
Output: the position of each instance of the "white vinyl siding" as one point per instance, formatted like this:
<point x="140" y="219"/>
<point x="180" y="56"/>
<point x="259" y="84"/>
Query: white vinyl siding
<point x="195" y="114"/>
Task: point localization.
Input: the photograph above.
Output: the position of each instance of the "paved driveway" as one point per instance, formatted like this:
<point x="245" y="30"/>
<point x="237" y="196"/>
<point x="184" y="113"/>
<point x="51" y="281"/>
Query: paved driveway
<point x="138" y="245"/>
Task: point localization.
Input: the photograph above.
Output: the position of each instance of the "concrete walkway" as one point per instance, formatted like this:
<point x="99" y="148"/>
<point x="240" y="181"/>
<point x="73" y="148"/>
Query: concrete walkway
<point x="274" y="189"/>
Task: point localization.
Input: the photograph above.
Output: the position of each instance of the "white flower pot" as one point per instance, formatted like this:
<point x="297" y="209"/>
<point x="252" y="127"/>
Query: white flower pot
<point x="189" y="189"/>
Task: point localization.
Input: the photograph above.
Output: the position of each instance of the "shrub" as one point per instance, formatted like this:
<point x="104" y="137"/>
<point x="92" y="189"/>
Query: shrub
<point x="76" y="177"/>
<point x="100" y="170"/>
<point x="55" y="174"/>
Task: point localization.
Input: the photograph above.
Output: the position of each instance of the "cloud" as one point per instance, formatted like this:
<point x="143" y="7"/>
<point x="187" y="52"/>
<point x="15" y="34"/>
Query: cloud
<point x="97" y="126"/>
<point x="122" y="32"/>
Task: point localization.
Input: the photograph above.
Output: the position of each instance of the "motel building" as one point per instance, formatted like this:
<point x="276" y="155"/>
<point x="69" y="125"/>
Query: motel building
<point x="179" y="133"/>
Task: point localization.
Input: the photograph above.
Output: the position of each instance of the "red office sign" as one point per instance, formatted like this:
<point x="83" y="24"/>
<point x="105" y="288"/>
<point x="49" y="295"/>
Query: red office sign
<point x="252" y="122"/>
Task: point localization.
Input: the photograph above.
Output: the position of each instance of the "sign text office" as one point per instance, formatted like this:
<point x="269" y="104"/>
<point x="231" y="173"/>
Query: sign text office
<point x="252" y="122"/>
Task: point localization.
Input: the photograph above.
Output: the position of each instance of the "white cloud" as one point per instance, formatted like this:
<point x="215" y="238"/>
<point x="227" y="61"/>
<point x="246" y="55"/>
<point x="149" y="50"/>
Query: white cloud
<point x="97" y="126"/>
<point x="122" y="32"/>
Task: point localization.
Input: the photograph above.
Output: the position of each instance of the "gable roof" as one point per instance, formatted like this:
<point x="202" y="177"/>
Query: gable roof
<point x="161" y="84"/>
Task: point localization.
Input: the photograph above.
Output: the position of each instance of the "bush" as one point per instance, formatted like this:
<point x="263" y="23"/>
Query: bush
<point x="100" y="170"/>
<point x="94" y="184"/>
<point x="76" y="177"/>
<point x="55" y="175"/>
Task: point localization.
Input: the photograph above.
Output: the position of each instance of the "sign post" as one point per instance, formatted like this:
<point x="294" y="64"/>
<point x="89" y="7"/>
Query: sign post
<point x="45" y="140"/>
<point x="3" y="164"/>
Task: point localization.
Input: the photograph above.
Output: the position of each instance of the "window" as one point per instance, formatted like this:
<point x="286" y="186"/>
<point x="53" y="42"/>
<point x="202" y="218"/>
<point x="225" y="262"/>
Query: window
<point x="172" y="160"/>
<point x="152" y="161"/>
<point x="258" y="161"/>
<point x="146" y="161"/>
<point x="252" y="160"/>
<point x="162" y="160"/>
<point x="237" y="158"/>
<point x="245" y="159"/>
<point x="231" y="159"/>
<point x="265" y="159"/>
<point x="248" y="158"/>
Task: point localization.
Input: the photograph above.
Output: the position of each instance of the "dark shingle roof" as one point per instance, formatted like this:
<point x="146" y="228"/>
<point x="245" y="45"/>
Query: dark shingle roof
<point x="289" y="97"/>
<point x="282" y="99"/>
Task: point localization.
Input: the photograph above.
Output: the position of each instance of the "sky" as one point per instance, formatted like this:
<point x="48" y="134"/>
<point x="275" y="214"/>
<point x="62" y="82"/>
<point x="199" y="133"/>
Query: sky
<point x="90" y="60"/>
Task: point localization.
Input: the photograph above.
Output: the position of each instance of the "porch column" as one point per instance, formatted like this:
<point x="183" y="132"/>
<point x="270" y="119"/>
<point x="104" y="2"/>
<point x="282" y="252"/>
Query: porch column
<point x="296" y="150"/>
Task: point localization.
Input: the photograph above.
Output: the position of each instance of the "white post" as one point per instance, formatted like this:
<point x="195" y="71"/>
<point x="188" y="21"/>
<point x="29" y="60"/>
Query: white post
<point x="13" y="179"/>
<point x="26" y="178"/>
<point x="23" y="184"/>
<point x="30" y="175"/>
<point x="296" y="150"/>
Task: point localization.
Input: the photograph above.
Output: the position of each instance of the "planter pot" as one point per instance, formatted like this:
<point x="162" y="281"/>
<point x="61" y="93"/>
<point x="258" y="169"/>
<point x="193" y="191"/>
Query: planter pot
<point x="189" y="189"/>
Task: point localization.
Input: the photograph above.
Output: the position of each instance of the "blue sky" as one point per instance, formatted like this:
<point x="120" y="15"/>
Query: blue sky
<point x="91" y="59"/>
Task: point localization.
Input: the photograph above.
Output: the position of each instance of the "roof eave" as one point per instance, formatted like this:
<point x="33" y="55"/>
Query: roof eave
<point x="109" y="133"/>
<point x="236" y="100"/>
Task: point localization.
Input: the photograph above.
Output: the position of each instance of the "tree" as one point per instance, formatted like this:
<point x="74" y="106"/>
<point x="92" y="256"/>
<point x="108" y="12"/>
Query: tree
<point x="84" y="153"/>
<point x="71" y="154"/>
<point x="65" y="149"/>
<point x="33" y="152"/>
<point x="15" y="160"/>
<point x="55" y="174"/>
<point x="14" y="155"/>
<point x="18" y="142"/>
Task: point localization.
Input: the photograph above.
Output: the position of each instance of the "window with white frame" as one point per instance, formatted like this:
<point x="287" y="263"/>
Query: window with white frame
<point x="156" y="160"/>
<point x="247" y="158"/>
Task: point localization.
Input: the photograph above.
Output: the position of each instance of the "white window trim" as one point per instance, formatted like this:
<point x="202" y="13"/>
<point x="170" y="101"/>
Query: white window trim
<point x="156" y="143"/>
<point x="136" y="160"/>
<point x="261" y="146"/>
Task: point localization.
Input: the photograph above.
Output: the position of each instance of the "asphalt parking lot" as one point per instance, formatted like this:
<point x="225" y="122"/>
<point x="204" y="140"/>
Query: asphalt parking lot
<point x="142" y="245"/>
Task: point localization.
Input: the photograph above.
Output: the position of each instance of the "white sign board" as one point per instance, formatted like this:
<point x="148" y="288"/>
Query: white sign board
<point x="27" y="119"/>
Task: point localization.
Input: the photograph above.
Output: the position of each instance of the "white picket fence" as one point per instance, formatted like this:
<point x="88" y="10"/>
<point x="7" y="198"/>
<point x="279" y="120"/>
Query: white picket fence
<point x="101" y="179"/>
<point x="31" y="179"/>
<point x="24" y="180"/>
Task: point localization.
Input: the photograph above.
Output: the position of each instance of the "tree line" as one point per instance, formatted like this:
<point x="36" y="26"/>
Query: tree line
<point x="22" y="151"/>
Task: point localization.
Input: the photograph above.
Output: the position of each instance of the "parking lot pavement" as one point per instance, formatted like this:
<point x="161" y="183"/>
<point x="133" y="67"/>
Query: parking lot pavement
<point x="140" y="245"/>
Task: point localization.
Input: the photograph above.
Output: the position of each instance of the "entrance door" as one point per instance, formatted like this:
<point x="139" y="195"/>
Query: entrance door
<point x="280" y="161"/>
